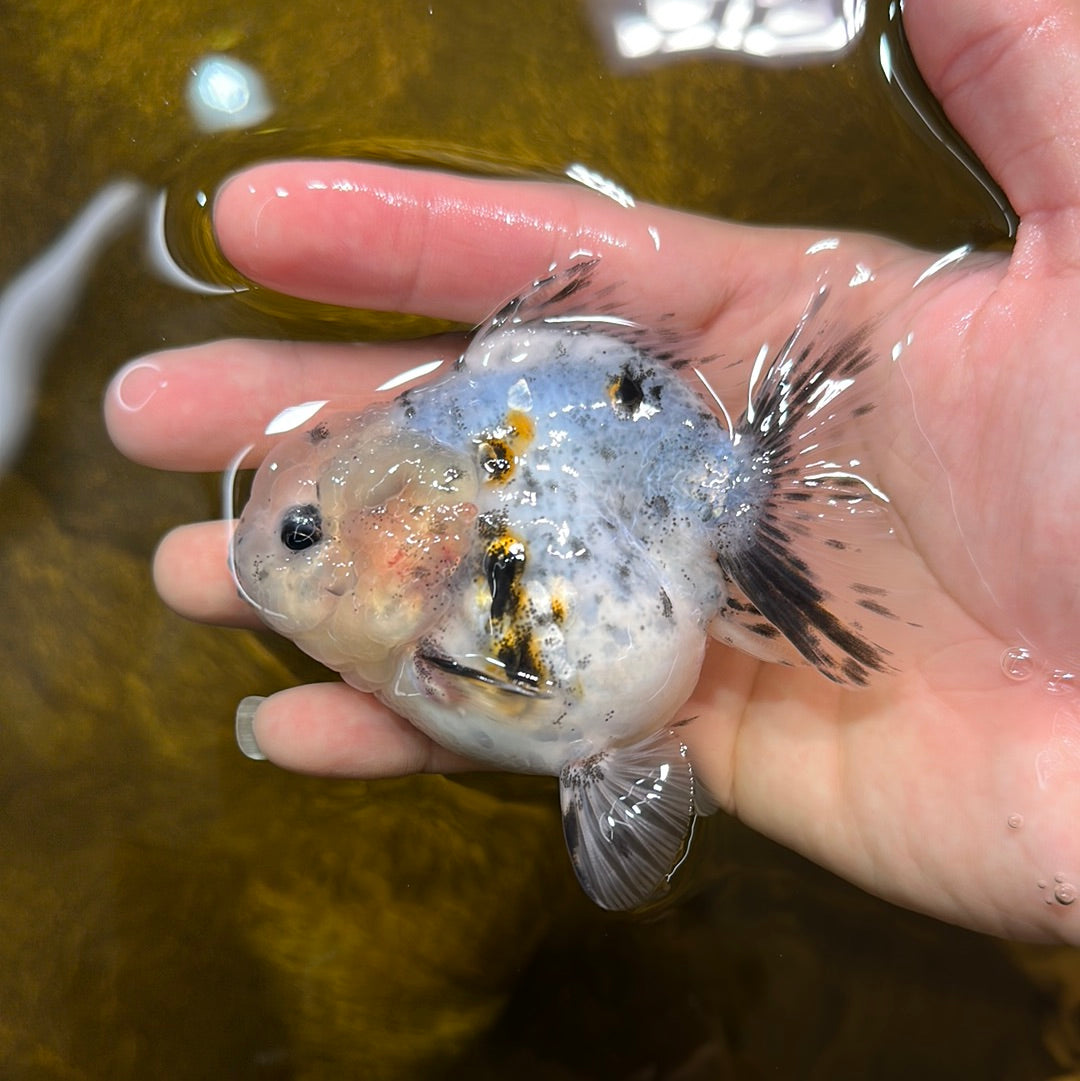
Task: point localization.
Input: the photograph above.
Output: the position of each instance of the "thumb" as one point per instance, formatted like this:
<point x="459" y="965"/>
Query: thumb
<point x="1008" y="74"/>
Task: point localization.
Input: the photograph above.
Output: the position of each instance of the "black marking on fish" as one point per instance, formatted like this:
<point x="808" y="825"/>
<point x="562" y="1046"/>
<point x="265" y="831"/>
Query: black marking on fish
<point x="666" y="607"/>
<point x="738" y="605"/>
<point x="516" y="655"/>
<point x="877" y="608"/>
<point x="495" y="459"/>
<point x="627" y="395"/>
<point x="491" y="523"/>
<point x="628" y="391"/>
<point x="503" y="566"/>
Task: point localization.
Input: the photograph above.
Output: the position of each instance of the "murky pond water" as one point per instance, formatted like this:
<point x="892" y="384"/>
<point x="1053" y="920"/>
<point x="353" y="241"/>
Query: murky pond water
<point x="170" y="909"/>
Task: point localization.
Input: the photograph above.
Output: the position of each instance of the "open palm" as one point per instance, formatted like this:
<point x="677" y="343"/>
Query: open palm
<point x="946" y="787"/>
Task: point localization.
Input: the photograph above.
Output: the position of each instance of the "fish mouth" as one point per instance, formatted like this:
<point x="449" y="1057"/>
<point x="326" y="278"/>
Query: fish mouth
<point x="520" y="683"/>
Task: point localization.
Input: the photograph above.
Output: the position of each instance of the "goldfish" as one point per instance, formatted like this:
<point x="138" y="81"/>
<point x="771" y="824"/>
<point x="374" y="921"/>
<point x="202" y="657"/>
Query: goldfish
<point x="527" y="557"/>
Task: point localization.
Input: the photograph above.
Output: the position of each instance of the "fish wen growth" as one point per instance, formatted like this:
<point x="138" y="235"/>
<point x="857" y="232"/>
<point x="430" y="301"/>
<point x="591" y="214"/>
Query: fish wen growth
<point x="527" y="557"/>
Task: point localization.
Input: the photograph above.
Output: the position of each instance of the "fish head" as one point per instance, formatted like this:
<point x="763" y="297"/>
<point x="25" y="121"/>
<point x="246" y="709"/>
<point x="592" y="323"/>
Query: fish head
<point x="350" y="535"/>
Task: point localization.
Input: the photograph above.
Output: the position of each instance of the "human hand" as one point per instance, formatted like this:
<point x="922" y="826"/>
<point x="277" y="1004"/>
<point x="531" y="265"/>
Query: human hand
<point x="907" y="788"/>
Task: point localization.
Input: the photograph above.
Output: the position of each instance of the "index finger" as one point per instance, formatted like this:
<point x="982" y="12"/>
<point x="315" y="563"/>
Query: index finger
<point x="454" y="247"/>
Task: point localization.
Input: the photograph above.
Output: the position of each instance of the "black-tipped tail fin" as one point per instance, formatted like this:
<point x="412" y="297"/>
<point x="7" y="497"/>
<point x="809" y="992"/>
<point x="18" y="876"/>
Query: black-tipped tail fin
<point x="804" y="554"/>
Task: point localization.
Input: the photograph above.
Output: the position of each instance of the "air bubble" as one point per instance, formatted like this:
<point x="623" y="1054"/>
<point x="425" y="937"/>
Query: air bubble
<point x="1015" y="821"/>
<point x="1065" y="894"/>
<point x="1017" y="663"/>
<point x="1060" y="681"/>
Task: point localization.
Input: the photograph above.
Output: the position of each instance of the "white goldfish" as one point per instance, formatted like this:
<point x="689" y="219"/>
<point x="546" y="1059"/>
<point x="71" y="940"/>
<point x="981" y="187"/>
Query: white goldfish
<point x="527" y="557"/>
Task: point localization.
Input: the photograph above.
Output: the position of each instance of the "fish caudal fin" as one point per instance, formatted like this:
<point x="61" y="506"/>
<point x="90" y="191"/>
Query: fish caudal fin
<point x="800" y="540"/>
<point x="627" y="819"/>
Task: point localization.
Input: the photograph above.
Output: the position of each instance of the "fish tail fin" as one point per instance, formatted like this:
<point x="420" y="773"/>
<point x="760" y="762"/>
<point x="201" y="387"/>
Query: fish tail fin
<point x="628" y="817"/>
<point x="801" y="528"/>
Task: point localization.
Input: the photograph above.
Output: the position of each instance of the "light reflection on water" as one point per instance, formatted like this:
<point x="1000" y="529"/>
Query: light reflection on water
<point x="170" y="909"/>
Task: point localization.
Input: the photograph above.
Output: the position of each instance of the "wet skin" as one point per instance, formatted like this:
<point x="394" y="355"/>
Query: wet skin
<point x="906" y="788"/>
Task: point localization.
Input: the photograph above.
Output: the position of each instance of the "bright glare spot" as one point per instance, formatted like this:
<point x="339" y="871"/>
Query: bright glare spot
<point x="671" y="15"/>
<point x="293" y="416"/>
<point x="636" y="36"/>
<point x="599" y="183"/>
<point x="766" y="29"/>
<point x="862" y="275"/>
<point x="885" y="57"/>
<point x="938" y="265"/>
<point x="407" y="377"/>
<point x="225" y="93"/>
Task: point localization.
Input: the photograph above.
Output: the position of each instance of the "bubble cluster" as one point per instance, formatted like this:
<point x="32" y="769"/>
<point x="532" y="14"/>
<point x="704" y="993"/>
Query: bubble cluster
<point x="1019" y="664"/>
<point x="1064" y="892"/>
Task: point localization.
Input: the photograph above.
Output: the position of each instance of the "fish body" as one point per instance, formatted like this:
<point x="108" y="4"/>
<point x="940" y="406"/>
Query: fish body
<point x="527" y="557"/>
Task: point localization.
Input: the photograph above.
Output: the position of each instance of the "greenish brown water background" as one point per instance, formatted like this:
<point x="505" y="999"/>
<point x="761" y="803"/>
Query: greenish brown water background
<point x="169" y="909"/>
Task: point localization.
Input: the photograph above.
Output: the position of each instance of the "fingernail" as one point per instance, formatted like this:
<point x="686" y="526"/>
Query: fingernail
<point x="245" y="727"/>
<point x="138" y="383"/>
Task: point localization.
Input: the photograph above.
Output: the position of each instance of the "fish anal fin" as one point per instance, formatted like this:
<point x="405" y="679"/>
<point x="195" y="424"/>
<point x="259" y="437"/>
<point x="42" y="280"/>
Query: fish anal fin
<point x="627" y="818"/>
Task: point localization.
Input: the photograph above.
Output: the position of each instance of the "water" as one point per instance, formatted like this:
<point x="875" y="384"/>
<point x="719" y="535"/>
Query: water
<point x="1065" y="893"/>
<point x="1017" y="663"/>
<point x="162" y="894"/>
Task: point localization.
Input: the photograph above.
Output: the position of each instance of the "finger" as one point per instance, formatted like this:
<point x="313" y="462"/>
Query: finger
<point x="1008" y="74"/>
<point x="196" y="408"/>
<point x="192" y="575"/>
<point x="431" y="243"/>
<point x="331" y="729"/>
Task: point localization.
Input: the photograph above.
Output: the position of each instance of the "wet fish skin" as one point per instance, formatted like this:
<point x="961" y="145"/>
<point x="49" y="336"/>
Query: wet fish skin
<point x="527" y="557"/>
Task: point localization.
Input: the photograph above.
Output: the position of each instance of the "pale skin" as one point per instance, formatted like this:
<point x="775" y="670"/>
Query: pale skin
<point x="906" y="789"/>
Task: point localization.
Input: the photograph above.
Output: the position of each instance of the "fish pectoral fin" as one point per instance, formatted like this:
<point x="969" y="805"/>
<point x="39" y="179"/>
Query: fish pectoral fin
<point x="627" y="818"/>
<point x="508" y="683"/>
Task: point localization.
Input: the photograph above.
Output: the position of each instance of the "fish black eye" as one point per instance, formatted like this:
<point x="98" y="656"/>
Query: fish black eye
<point x="301" y="527"/>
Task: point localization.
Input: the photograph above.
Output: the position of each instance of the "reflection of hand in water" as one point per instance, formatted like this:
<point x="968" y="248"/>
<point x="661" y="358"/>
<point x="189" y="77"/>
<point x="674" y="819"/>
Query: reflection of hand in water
<point x="932" y="787"/>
